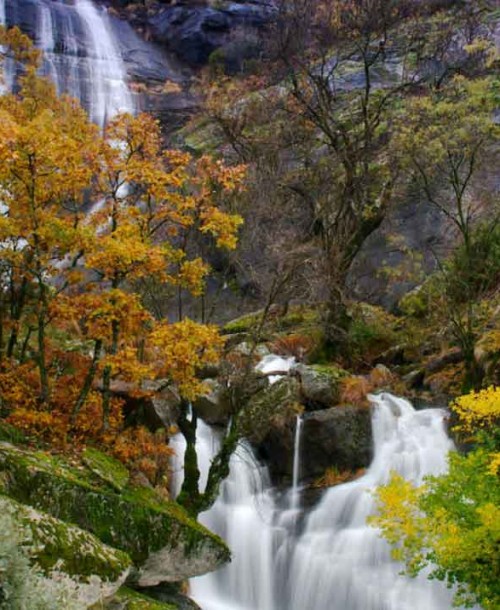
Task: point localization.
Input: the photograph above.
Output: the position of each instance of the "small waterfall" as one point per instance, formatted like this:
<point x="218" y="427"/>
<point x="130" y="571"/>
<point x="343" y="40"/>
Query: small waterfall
<point x="338" y="562"/>
<point x="243" y="515"/>
<point x="296" y="465"/>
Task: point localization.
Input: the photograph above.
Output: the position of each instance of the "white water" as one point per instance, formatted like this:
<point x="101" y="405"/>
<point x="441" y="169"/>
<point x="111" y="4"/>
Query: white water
<point x="275" y="364"/>
<point x="338" y="562"/>
<point x="208" y="443"/>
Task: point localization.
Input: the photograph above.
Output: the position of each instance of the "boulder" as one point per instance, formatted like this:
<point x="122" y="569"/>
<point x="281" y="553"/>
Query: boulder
<point x="60" y="551"/>
<point x="340" y="437"/>
<point x="155" y="404"/>
<point x="213" y="406"/>
<point x="319" y="385"/>
<point x="127" y="599"/>
<point x="270" y="408"/>
<point x="164" y="543"/>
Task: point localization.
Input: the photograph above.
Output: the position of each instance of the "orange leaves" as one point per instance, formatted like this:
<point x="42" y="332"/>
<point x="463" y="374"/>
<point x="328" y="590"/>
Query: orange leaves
<point x="144" y="452"/>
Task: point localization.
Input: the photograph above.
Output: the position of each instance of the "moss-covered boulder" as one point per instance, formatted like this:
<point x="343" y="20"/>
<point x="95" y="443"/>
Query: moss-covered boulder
<point x="162" y="540"/>
<point x="127" y="599"/>
<point x="60" y="550"/>
<point x="319" y="385"/>
<point x="270" y="407"/>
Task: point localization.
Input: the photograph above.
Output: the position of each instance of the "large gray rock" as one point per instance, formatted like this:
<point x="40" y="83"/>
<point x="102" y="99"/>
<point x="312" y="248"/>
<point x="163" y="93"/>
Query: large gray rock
<point x="213" y="406"/>
<point x="339" y="437"/>
<point x="62" y="551"/>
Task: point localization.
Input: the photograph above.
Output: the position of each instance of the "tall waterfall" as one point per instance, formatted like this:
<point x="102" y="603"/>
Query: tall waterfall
<point x="337" y="562"/>
<point x="81" y="53"/>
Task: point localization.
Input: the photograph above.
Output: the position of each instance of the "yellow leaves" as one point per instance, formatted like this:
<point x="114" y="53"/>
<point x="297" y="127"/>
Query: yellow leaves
<point x="192" y="275"/>
<point x="183" y="348"/>
<point x="127" y="366"/>
<point x="494" y="468"/>
<point x="478" y="410"/>
<point x="222" y="226"/>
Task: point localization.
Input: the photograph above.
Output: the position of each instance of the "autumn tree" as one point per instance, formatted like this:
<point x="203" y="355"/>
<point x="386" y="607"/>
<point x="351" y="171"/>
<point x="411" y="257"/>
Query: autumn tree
<point x="47" y="159"/>
<point x="69" y="266"/>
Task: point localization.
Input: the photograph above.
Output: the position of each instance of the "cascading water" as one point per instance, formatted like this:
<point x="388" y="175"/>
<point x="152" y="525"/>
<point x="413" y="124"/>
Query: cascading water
<point x="109" y="94"/>
<point x="81" y="53"/>
<point x="337" y="562"/>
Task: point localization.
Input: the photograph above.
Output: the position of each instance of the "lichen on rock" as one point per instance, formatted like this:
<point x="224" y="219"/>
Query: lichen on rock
<point x="135" y="520"/>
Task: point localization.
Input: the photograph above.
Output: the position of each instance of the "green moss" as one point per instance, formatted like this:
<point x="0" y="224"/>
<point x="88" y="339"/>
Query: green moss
<point x="59" y="545"/>
<point x="298" y="318"/>
<point x="10" y="434"/>
<point x="272" y="404"/>
<point x="137" y="520"/>
<point x="332" y="371"/>
<point x="108" y="469"/>
<point x="126" y="599"/>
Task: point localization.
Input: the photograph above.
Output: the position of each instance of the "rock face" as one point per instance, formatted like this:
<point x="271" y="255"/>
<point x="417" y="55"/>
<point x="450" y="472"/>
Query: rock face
<point x="193" y="33"/>
<point x="163" y="542"/>
<point x="213" y="406"/>
<point x="63" y="549"/>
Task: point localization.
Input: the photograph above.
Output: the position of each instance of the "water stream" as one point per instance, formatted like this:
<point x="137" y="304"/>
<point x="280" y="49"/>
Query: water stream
<point x="335" y="561"/>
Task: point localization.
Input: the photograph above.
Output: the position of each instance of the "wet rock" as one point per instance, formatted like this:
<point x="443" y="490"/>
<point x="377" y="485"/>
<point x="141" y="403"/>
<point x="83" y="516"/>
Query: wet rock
<point x="338" y="437"/>
<point x="269" y="409"/>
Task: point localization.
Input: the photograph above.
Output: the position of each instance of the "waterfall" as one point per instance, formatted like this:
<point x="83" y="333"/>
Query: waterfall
<point x="109" y="94"/>
<point x="81" y="52"/>
<point x="337" y="562"/>
<point x="243" y="515"/>
<point x="296" y="465"/>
